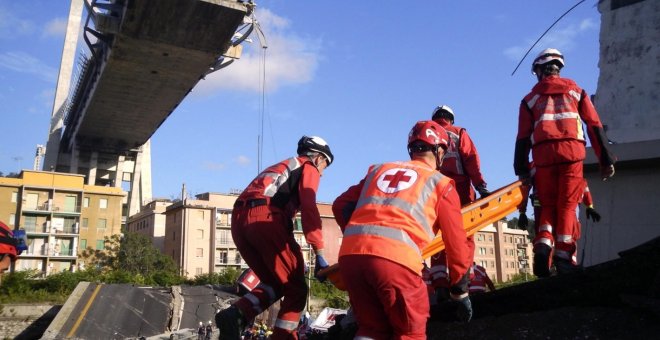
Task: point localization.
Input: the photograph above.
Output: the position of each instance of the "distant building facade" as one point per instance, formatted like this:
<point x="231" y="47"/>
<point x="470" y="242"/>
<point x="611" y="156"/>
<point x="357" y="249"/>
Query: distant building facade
<point x="61" y="216"/>
<point x="150" y="221"/>
<point x="198" y="234"/>
<point x="503" y="252"/>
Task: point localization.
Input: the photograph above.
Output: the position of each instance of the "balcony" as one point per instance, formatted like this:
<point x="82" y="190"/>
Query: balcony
<point x="33" y="228"/>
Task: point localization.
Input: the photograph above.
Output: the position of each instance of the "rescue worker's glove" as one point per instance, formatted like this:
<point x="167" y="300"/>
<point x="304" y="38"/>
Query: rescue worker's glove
<point x="523" y="222"/>
<point x="321" y="263"/>
<point x="593" y="214"/>
<point x="483" y="192"/>
<point x="606" y="172"/>
<point x="463" y="307"/>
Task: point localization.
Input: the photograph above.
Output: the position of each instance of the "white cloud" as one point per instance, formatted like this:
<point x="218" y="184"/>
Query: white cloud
<point x="243" y="160"/>
<point x="55" y="28"/>
<point x="561" y="38"/>
<point x="25" y="63"/>
<point x="213" y="166"/>
<point x="290" y="60"/>
<point x="11" y="26"/>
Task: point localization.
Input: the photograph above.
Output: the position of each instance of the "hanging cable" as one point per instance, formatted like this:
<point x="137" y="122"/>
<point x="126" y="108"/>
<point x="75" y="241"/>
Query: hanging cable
<point x="544" y="33"/>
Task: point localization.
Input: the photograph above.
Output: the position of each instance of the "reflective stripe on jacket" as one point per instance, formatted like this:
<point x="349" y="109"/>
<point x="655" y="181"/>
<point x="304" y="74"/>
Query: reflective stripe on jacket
<point x="479" y="280"/>
<point x="550" y="122"/>
<point x="461" y="162"/>
<point x="395" y="216"/>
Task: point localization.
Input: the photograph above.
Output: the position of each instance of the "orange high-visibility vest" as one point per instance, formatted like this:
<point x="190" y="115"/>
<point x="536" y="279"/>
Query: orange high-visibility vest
<point x="395" y="216"/>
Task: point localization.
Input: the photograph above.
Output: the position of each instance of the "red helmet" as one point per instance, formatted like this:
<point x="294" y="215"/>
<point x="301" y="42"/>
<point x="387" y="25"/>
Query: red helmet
<point x="7" y="241"/>
<point x="430" y="133"/>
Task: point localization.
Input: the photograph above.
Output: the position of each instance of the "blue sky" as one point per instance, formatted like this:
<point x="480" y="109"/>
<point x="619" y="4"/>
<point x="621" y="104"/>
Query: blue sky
<point x="358" y="74"/>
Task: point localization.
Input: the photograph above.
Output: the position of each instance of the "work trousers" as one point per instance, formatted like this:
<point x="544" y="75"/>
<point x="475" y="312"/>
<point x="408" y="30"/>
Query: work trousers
<point x="264" y="237"/>
<point x="389" y="300"/>
<point x="559" y="189"/>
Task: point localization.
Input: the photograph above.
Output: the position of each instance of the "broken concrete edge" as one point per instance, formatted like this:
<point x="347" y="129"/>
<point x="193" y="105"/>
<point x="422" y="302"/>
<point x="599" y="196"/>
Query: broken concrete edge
<point x="176" y="308"/>
<point x="65" y="312"/>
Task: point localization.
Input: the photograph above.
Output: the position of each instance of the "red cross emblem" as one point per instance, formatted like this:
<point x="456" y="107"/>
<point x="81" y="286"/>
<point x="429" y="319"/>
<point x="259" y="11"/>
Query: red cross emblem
<point x="397" y="179"/>
<point x="399" y="176"/>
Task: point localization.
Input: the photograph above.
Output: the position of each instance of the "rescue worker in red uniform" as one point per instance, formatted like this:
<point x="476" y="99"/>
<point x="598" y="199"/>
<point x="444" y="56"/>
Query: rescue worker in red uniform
<point x="550" y="124"/>
<point x="479" y="280"/>
<point x="461" y="164"/>
<point x="387" y="219"/>
<point x="262" y="228"/>
<point x="12" y="244"/>
<point x="587" y="200"/>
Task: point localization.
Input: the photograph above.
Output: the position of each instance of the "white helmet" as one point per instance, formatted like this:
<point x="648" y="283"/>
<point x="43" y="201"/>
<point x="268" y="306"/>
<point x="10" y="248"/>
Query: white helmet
<point x="548" y="55"/>
<point x="315" y="144"/>
<point x="445" y="110"/>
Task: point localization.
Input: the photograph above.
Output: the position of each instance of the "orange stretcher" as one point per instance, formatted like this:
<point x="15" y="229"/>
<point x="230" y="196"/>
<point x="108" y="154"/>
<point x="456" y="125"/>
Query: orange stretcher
<point x="476" y="216"/>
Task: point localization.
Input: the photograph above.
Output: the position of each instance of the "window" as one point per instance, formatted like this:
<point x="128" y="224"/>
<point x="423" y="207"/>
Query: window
<point x="492" y="251"/>
<point x="100" y="244"/>
<point x="85" y="222"/>
<point x="480" y="237"/>
<point x="490" y="238"/>
<point x="199" y="252"/>
<point x="30" y="222"/>
<point x="103" y="203"/>
<point x="174" y="235"/>
<point x="224" y="257"/>
<point x="483" y="263"/>
<point x="238" y="258"/>
<point x="198" y="271"/>
<point x="297" y="224"/>
<point x="83" y="244"/>
<point x="482" y="251"/>
<point x="14" y="197"/>
<point x="101" y="223"/>
<point x="200" y="233"/>
<point x="12" y="218"/>
<point x="86" y="202"/>
<point x="223" y="237"/>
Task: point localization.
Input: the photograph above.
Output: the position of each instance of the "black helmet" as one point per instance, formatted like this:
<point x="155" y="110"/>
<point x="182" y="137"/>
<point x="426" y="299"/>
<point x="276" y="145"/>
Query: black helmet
<point x="315" y="144"/>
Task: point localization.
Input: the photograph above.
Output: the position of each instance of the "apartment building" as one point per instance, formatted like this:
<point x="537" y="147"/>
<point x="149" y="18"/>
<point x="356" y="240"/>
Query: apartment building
<point x="503" y="252"/>
<point x="198" y="234"/>
<point x="60" y="215"/>
<point x="150" y="221"/>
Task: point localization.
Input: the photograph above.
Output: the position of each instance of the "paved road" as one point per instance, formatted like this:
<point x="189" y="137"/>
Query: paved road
<point x="116" y="311"/>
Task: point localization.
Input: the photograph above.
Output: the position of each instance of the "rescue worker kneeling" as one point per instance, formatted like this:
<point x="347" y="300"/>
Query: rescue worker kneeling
<point x="387" y="219"/>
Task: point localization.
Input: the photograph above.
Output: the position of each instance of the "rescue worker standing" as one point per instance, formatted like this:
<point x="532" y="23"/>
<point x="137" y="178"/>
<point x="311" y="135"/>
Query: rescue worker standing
<point x="262" y="228"/>
<point x="387" y="219"/>
<point x="550" y="124"/>
<point x="461" y="164"/>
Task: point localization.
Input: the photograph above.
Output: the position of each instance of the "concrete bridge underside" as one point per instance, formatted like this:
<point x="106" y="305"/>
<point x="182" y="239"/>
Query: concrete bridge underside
<point x="144" y="58"/>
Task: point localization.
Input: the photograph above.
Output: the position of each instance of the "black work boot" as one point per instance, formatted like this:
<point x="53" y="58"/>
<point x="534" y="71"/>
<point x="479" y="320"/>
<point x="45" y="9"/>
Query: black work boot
<point x="542" y="260"/>
<point x="230" y="322"/>
<point x="565" y="266"/>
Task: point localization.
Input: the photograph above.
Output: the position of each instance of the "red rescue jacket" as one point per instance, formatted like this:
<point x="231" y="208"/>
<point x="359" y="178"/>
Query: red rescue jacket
<point x="550" y="122"/>
<point x="291" y="185"/>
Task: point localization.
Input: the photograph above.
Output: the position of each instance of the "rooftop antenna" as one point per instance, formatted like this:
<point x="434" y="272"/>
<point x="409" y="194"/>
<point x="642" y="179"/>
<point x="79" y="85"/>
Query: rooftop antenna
<point x="544" y="33"/>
